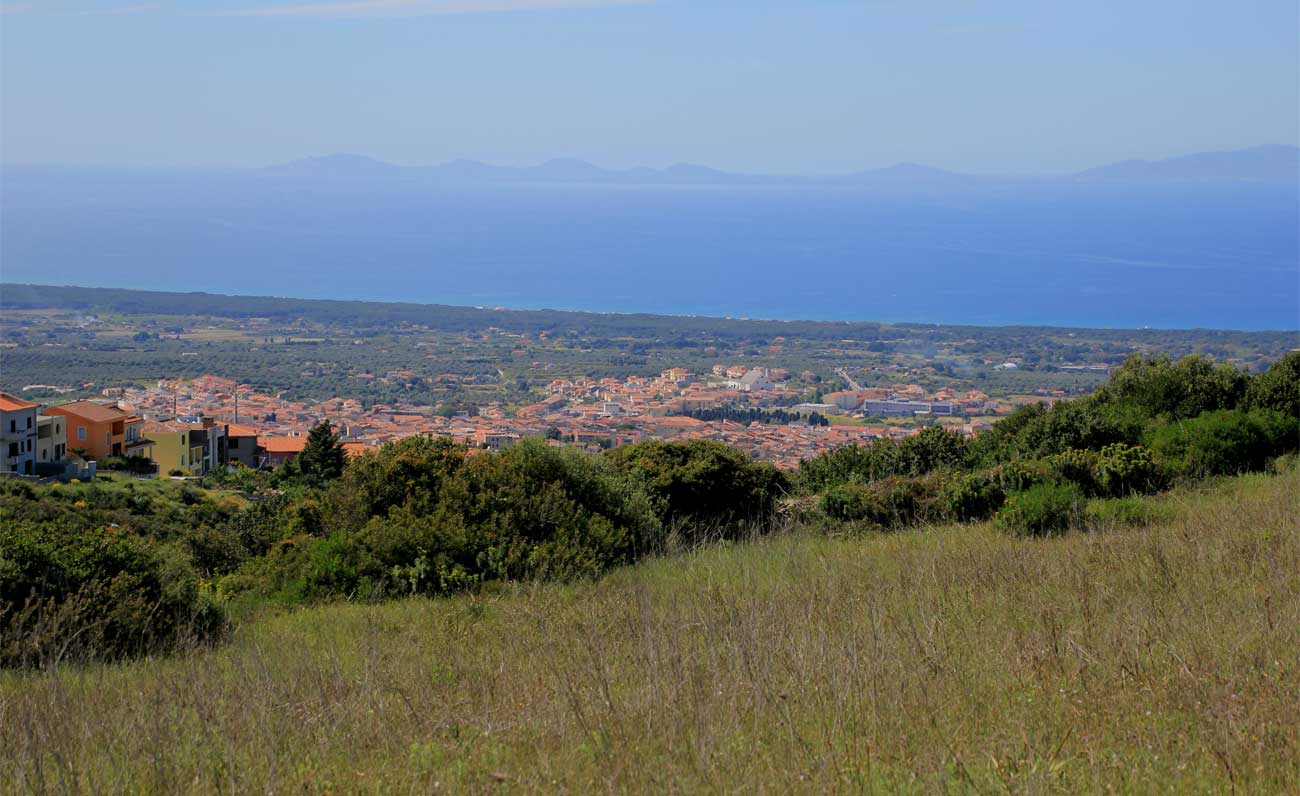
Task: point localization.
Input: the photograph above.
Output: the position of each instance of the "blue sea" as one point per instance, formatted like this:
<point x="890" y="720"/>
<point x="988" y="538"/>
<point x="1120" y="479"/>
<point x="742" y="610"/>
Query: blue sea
<point x="1024" y="253"/>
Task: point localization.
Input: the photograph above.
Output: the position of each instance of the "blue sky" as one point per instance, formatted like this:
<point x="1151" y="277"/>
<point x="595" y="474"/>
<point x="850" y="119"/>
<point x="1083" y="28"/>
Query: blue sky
<point x="784" y="87"/>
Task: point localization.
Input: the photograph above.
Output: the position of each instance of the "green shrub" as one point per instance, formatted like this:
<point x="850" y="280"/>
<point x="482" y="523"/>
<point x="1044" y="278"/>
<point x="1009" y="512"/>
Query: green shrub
<point x="933" y="449"/>
<point x="1077" y="466"/>
<point x="889" y="503"/>
<point x="1277" y="388"/>
<point x="409" y="472"/>
<point x="973" y="496"/>
<point x="1224" y="443"/>
<point x="532" y="511"/>
<point x="1126" y="469"/>
<point x="702" y="488"/>
<point x="1176" y="390"/>
<point x="1020" y="474"/>
<point x="72" y="594"/>
<point x="1043" y="509"/>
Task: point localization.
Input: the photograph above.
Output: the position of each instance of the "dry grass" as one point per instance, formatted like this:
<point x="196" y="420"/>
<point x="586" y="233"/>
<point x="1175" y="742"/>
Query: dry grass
<point x="1162" y="659"/>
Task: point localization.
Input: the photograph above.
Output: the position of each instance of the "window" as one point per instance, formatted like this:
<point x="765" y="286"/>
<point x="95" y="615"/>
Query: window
<point x="13" y="425"/>
<point x="29" y="421"/>
<point x="81" y="433"/>
<point x="13" y="449"/>
<point x="234" y="442"/>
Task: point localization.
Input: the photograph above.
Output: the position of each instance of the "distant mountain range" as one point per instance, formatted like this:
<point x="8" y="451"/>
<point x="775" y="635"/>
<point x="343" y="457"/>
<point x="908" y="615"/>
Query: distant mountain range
<point x="1262" y="164"/>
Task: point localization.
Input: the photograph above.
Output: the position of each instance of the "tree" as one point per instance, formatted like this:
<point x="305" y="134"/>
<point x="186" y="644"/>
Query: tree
<point x="1177" y="390"/>
<point x="703" y="487"/>
<point x="1278" y="388"/>
<point x="323" y="458"/>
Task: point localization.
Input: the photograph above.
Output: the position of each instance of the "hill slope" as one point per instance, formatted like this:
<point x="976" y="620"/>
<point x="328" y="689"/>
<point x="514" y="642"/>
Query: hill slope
<point x="1142" y="660"/>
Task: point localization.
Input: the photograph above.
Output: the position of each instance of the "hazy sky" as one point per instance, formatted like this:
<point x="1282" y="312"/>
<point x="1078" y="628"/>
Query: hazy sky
<point x="811" y="86"/>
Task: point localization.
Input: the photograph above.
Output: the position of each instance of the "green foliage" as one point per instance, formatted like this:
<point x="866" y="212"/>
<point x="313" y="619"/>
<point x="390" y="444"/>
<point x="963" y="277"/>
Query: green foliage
<point x="1126" y="469"/>
<point x="322" y="459"/>
<point x="133" y="464"/>
<point x="425" y="516"/>
<point x="69" y="593"/>
<point x="409" y="472"/>
<point x="1077" y="466"/>
<point x="1021" y="474"/>
<point x="890" y="503"/>
<point x="1277" y="388"/>
<point x="973" y="496"/>
<point x="932" y="449"/>
<point x="1224" y="442"/>
<point x="1081" y="425"/>
<point x="1043" y="509"/>
<point x="702" y="488"/>
<point x="1174" y="389"/>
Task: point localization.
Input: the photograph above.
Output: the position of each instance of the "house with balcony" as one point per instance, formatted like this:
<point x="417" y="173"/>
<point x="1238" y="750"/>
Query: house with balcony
<point x="51" y="444"/>
<point x="97" y="431"/>
<point x="18" y="429"/>
<point x="188" y="448"/>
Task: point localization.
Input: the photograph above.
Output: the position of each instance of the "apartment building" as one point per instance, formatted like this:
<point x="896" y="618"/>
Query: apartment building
<point x="18" y="430"/>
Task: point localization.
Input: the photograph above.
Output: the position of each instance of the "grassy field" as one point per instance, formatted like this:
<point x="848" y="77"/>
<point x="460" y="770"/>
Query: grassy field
<point x="1160" y="659"/>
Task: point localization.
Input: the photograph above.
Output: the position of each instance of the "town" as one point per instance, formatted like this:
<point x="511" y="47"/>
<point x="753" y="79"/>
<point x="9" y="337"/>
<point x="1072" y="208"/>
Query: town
<point x="178" y="384"/>
<point x="187" y="428"/>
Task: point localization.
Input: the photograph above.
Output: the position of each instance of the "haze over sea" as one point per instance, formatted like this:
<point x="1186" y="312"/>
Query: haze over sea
<point x="1045" y="252"/>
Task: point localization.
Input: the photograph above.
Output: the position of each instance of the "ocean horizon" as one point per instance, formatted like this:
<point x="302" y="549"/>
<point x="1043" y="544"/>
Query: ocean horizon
<point x="1025" y="254"/>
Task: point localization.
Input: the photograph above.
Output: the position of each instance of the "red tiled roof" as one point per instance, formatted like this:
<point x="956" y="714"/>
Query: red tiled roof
<point x="355" y="449"/>
<point x="282" y="444"/>
<point x="12" y="403"/>
<point x="89" y="410"/>
<point x="240" y="430"/>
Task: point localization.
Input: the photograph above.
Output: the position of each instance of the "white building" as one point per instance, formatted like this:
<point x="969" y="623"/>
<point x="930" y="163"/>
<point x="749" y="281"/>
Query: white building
<point x="51" y="441"/>
<point x="17" y="435"/>
<point x="755" y="379"/>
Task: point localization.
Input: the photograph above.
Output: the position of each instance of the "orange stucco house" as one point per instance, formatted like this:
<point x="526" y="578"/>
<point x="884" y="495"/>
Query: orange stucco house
<point x="100" y="431"/>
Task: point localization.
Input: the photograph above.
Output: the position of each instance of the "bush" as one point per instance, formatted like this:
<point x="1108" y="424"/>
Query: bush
<point x="889" y="503"/>
<point x="409" y="472"/>
<point x="70" y="594"/>
<point x="1177" y="390"/>
<point x="702" y="488"/>
<point x="1224" y="443"/>
<point x="973" y="496"/>
<point x="1043" y="509"/>
<point x="1021" y="474"/>
<point x="1078" y="467"/>
<point x="930" y="450"/>
<point x="531" y="511"/>
<point x="1277" y="388"/>
<point x="1126" y="469"/>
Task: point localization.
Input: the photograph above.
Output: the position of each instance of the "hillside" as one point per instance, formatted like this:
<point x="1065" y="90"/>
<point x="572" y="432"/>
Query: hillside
<point x="1158" y="658"/>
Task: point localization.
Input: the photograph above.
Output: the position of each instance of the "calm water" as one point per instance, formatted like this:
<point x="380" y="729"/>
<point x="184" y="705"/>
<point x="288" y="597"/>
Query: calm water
<point x="1041" y="253"/>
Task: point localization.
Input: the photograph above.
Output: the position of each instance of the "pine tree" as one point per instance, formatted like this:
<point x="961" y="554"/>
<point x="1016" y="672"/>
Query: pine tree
<point x="322" y="459"/>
